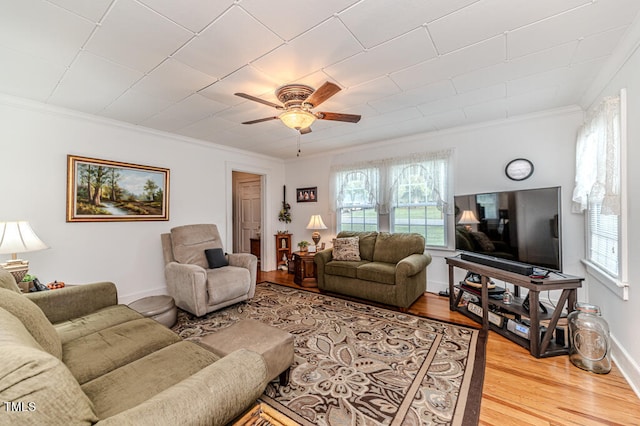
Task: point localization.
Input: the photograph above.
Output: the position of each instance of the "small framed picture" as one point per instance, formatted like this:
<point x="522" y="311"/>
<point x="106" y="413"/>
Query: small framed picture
<point x="307" y="195"/>
<point x="311" y="249"/>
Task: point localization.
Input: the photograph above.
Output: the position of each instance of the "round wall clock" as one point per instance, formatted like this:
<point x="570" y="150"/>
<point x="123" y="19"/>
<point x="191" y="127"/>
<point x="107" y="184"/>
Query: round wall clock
<point x="519" y="169"/>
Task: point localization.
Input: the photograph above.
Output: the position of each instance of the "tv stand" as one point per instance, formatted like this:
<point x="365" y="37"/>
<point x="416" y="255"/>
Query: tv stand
<point x="540" y="345"/>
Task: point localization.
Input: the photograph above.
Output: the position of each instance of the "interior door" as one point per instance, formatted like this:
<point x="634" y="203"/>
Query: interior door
<point x="249" y="213"/>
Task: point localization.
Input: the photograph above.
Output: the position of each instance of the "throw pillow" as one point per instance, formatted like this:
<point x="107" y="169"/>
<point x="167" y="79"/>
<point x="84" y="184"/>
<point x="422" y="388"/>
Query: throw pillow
<point x="483" y="241"/>
<point x="346" y="249"/>
<point x="216" y="258"/>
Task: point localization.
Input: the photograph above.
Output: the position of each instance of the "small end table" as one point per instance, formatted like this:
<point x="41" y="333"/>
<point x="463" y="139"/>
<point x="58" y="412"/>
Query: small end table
<point x="305" y="273"/>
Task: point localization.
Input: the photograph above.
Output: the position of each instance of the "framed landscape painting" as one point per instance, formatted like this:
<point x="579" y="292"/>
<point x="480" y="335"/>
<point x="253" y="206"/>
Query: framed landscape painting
<point x="109" y="191"/>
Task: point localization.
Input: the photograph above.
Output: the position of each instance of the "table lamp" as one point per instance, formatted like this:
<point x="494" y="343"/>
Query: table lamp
<point x="467" y="219"/>
<point x="316" y="223"/>
<point x="18" y="237"/>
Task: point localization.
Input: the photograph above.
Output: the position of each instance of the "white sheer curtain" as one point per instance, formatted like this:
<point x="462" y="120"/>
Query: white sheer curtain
<point x="430" y="167"/>
<point x="368" y="176"/>
<point x="598" y="159"/>
<point x="381" y="176"/>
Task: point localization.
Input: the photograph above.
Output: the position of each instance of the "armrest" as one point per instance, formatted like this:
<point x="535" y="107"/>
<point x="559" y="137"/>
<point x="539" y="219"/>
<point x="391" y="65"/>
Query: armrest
<point x="213" y="396"/>
<point x="321" y="259"/>
<point x="75" y="301"/>
<point x="413" y="264"/>
<point x="188" y="286"/>
<point x="247" y="261"/>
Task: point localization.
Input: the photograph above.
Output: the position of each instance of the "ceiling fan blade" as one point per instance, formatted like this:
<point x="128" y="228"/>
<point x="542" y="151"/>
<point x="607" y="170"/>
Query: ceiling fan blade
<point x="349" y="118"/>
<point x="305" y="131"/>
<point x="260" y="120"/>
<point x="262" y="101"/>
<point x="322" y="93"/>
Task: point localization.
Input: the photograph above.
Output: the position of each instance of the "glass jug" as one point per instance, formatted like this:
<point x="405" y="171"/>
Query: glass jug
<point x="589" y="333"/>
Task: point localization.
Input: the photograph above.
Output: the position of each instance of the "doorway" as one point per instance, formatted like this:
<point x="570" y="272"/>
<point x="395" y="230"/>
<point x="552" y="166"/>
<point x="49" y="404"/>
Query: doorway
<point x="247" y="213"/>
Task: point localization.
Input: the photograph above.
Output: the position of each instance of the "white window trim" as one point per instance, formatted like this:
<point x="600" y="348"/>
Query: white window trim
<point x="618" y="286"/>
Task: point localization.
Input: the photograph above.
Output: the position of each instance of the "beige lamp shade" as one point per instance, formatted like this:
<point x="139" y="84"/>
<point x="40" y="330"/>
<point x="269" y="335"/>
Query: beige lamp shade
<point x="468" y="218"/>
<point x="316" y="223"/>
<point x="297" y="118"/>
<point x="18" y="237"/>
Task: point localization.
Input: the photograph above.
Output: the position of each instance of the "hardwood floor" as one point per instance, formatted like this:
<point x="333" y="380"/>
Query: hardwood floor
<point x="522" y="390"/>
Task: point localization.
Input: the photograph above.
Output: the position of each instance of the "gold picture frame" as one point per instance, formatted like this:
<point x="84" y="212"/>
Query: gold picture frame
<point x="111" y="191"/>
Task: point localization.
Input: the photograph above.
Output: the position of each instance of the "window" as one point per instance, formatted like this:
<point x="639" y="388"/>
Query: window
<point x="598" y="185"/>
<point x="402" y="194"/>
<point x="357" y="212"/>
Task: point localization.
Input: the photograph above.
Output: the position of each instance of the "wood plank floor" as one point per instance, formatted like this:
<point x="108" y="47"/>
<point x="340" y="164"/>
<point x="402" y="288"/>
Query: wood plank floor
<point x="522" y="390"/>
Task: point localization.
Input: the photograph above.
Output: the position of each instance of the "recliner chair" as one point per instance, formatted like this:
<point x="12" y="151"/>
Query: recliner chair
<point x="194" y="286"/>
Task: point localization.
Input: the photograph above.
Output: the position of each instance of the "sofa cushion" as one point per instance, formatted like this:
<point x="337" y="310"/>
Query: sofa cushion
<point x="378" y="272"/>
<point x="227" y="283"/>
<point x="346" y="249"/>
<point x="38" y="380"/>
<point x="392" y="248"/>
<point x="343" y="268"/>
<point x="8" y="281"/>
<point x="140" y="380"/>
<point x="367" y="242"/>
<point x="96" y="321"/>
<point x="98" y="353"/>
<point x="190" y="241"/>
<point x="33" y="319"/>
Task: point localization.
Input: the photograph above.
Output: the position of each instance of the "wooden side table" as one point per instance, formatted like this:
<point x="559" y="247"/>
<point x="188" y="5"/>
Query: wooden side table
<point x="305" y="273"/>
<point x="255" y="247"/>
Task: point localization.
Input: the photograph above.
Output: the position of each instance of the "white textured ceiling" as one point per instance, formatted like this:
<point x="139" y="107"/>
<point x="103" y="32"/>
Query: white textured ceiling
<point x="406" y="66"/>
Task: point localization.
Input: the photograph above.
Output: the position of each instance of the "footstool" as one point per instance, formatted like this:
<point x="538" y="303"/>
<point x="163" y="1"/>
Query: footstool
<point x="160" y="308"/>
<point x="275" y="345"/>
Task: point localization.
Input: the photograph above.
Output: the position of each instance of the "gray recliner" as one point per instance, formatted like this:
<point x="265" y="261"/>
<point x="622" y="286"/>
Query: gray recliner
<point x="196" y="288"/>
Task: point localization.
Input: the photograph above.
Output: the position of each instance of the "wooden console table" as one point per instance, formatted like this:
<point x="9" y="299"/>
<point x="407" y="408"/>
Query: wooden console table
<point x="539" y="346"/>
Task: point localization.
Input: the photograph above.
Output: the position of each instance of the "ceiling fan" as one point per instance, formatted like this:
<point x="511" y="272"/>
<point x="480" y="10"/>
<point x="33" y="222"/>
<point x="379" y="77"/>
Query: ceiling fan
<point x="297" y="102"/>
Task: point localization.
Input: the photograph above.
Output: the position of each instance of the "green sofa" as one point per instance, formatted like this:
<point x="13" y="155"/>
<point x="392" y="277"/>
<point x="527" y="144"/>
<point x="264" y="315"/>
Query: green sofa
<point x="392" y="269"/>
<point x="73" y="356"/>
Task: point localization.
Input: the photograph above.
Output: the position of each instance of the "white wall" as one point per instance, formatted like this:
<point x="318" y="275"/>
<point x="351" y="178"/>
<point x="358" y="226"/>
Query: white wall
<point x="481" y="154"/>
<point x="35" y="141"/>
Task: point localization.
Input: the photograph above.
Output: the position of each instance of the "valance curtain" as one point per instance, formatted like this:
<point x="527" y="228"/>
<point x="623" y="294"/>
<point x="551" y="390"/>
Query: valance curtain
<point x="381" y="178"/>
<point x="366" y="174"/>
<point x="598" y="159"/>
<point x="431" y="169"/>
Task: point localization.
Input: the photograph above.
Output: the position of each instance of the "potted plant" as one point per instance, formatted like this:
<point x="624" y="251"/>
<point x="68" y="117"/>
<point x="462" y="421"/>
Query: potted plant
<point x="302" y="245"/>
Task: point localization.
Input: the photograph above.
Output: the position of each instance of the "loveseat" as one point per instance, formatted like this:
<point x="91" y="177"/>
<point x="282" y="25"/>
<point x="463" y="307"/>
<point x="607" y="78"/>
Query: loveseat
<point x="73" y="356"/>
<point x="388" y="268"/>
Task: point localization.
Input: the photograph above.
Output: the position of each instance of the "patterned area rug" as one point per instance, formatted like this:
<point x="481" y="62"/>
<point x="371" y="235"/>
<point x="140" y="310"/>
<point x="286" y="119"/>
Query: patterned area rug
<point x="357" y="364"/>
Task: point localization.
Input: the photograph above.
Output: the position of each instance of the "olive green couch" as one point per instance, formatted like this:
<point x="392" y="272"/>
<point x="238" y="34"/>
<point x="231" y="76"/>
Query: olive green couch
<point x="73" y="356"/>
<point x="392" y="269"/>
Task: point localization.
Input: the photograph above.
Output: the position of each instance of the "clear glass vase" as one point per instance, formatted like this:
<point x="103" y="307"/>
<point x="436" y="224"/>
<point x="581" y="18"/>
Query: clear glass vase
<point x="590" y="340"/>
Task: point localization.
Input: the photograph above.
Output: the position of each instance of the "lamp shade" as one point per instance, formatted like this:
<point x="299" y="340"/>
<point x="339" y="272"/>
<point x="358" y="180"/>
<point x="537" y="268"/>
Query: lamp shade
<point x="316" y="222"/>
<point x="468" y="218"/>
<point x="18" y="237"/>
<point x="297" y="118"/>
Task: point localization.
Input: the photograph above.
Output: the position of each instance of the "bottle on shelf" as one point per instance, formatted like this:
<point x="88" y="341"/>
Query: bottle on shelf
<point x="507" y="297"/>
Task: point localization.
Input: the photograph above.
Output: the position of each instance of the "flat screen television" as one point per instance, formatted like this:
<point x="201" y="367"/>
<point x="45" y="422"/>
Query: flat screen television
<point x="520" y="226"/>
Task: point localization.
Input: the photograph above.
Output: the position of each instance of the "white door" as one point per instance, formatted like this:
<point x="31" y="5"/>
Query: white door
<point x="249" y="213"/>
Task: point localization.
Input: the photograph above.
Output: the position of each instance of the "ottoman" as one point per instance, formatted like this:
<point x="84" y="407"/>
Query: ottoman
<point x="160" y="308"/>
<point x="275" y="345"/>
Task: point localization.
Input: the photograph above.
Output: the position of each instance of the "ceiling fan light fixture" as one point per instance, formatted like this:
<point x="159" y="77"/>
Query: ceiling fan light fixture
<point x="297" y="119"/>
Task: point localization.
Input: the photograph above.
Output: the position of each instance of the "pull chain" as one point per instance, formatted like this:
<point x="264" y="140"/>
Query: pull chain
<point x="298" y="154"/>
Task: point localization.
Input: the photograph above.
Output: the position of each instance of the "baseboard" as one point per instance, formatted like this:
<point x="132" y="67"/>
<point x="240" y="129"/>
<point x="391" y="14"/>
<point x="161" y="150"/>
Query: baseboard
<point x="627" y="365"/>
<point x="128" y="298"/>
